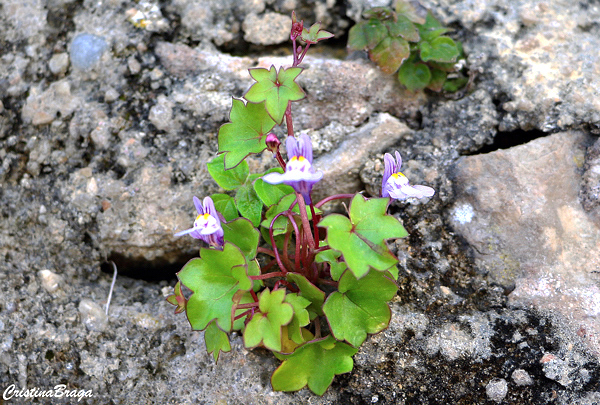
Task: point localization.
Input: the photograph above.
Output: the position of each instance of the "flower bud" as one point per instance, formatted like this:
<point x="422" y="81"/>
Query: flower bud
<point x="272" y="143"/>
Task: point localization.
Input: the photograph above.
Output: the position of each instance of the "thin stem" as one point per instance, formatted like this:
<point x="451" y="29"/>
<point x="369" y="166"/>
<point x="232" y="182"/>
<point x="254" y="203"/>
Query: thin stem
<point x="269" y="265"/>
<point x="331" y="198"/>
<point x="244" y="306"/>
<point x="243" y="314"/>
<point x="294" y="51"/>
<point x="280" y="159"/>
<point x="267" y="275"/>
<point x="265" y="251"/>
<point x="305" y="223"/>
<point x="286" y="246"/>
<point x="315" y="228"/>
<point x="299" y="239"/>
<point x="288" y="119"/>
<point x="303" y="54"/>
<point x="328" y="282"/>
<point x="317" y="328"/>
<point x="281" y="266"/>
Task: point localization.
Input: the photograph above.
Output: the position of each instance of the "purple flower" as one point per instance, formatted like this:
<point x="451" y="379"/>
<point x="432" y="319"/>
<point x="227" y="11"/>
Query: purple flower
<point x="299" y="172"/>
<point x="395" y="184"/>
<point x="207" y="225"/>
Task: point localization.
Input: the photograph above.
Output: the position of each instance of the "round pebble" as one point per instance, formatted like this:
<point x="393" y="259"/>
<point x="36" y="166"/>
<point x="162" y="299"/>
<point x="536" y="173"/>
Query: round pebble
<point x="497" y="389"/>
<point x="86" y="50"/>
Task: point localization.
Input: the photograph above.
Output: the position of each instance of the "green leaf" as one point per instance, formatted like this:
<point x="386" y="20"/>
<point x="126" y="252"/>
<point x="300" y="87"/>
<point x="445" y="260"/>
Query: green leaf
<point x="431" y="29"/>
<point x="214" y="278"/>
<point x="265" y="326"/>
<point x="248" y="203"/>
<point x="300" y="318"/>
<point x="361" y="239"/>
<point x="409" y="10"/>
<point x="390" y="53"/>
<point x="177" y="299"/>
<point x="315" y="34"/>
<point x="315" y="363"/>
<point x="309" y="291"/>
<point x="336" y="268"/>
<point x="414" y="76"/>
<point x="244" y="235"/>
<point x="404" y="28"/>
<point x="441" y="49"/>
<point x="380" y="13"/>
<point x="246" y="133"/>
<point x="360" y="306"/>
<point x="276" y="89"/>
<point x="228" y="179"/>
<point x="437" y="80"/>
<point x="225" y="204"/>
<point x="216" y="340"/>
<point x="242" y="297"/>
<point x="282" y="224"/>
<point x="366" y="35"/>
<point x="454" y="85"/>
<point x="270" y="194"/>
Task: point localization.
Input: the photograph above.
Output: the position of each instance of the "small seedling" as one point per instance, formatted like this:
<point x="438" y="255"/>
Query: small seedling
<point x="410" y="41"/>
<point x="309" y="287"/>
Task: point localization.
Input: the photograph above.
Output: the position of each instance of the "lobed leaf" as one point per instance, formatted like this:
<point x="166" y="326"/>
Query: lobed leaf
<point x="390" y="53"/>
<point x="336" y="267"/>
<point x="360" y="306"/>
<point x="361" y="238"/>
<point x="441" y="49"/>
<point x="300" y="319"/>
<point x="216" y="340"/>
<point x="438" y="78"/>
<point x="315" y="363"/>
<point x="265" y="326"/>
<point x="404" y="28"/>
<point x="228" y="179"/>
<point x="414" y="76"/>
<point x="315" y="34"/>
<point x="248" y="203"/>
<point x="431" y="29"/>
<point x="225" y="204"/>
<point x="309" y="291"/>
<point x="270" y="194"/>
<point x="276" y="88"/>
<point x="366" y="34"/>
<point x="214" y="278"/>
<point x="246" y="133"/>
<point x="244" y="235"/>
<point x="282" y="225"/>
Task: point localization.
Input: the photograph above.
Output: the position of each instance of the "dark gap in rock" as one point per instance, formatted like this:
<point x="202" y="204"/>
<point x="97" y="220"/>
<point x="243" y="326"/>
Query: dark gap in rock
<point x="142" y="269"/>
<point x="505" y="140"/>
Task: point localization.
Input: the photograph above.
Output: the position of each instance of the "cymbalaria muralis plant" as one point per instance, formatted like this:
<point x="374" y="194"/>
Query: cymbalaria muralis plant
<point x="273" y="267"/>
<point x="409" y="40"/>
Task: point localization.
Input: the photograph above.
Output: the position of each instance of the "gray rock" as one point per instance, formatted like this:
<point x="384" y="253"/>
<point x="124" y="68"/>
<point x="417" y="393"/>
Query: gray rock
<point x="86" y="50"/>
<point x="497" y="389"/>
<point x="278" y="32"/>
<point x="521" y="377"/>
<point x="520" y="212"/>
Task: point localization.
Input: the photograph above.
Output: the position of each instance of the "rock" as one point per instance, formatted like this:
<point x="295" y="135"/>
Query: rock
<point x="521" y="377"/>
<point x="92" y="315"/>
<point x="497" y="389"/>
<point x="59" y="63"/>
<point x="42" y="107"/>
<point x="86" y="50"/>
<point x="278" y="32"/>
<point x="519" y="210"/>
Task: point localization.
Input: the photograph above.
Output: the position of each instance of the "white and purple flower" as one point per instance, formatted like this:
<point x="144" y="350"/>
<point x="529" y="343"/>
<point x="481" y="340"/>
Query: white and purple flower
<point x="395" y="184"/>
<point x="299" y="172"/>
<point x="207" y="225"/>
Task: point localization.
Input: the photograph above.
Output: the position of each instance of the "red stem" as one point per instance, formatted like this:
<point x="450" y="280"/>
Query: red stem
<point x="331" y="198"/>
<point x="299" y="239"/>
<point x="244" y="306"/>
<point x="265" y="251"/>
<point x="268" y="275"/>
<point x="280" y="159"/>
<point x="243" y="314"/>
<point x="315" y="228"/>
<point x="288" y="119"/>
<point x="281" y="266"/>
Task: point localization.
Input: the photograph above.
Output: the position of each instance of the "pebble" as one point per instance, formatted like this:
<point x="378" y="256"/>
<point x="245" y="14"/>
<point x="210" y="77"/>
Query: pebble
<point x="51" y="281"/>
<point x="86" y="50"/>
<point x="521" y="377"/>
<point x="497" y="389"/>
<point x="59" y="63"/>
<point x="93" y="315"/>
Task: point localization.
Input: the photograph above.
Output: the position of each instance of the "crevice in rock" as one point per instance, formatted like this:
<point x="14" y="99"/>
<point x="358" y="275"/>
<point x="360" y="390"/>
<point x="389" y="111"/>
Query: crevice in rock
<point x="142" y="269"/>
<point x="505" y="140"/>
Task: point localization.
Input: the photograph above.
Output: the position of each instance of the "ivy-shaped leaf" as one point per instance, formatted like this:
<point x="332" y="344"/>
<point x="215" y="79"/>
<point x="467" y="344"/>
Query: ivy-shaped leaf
<point x="244" y="235"/>
<point x="246" y="133"/>
<point x="432" y="28"/>
<point x="265" y="326"/>
<point x="366" y="34"/>
<point x="309" y="291"/>
<point x="315" y="34"/>
<point x="404" y="28"/>
<point x="225" y="204"/>
<point x="177" y="299"/>
<point x="360" y="307"/>
<point x="437" y="80"/>
<point x="248" y="203"/>
<point x="214" y="278"/>
<point x="288" y="345"/>
<point x="390" y="53"/>
<point x="441" y="49"/>
<point x="315" y="363"/>
<point x="276" y="89"/>
<point x="361" y="239"/>
<point x="270" y="194"/>
<point x="229" y="179"/>
<point x="336" y="267"/>
<point x="216" y="340"/>
<point x="300" y="318"/>
<point x="414" y="76"/>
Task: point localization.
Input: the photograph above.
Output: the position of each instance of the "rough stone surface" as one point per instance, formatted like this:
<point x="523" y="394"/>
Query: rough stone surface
<point x="101" y="164"/>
